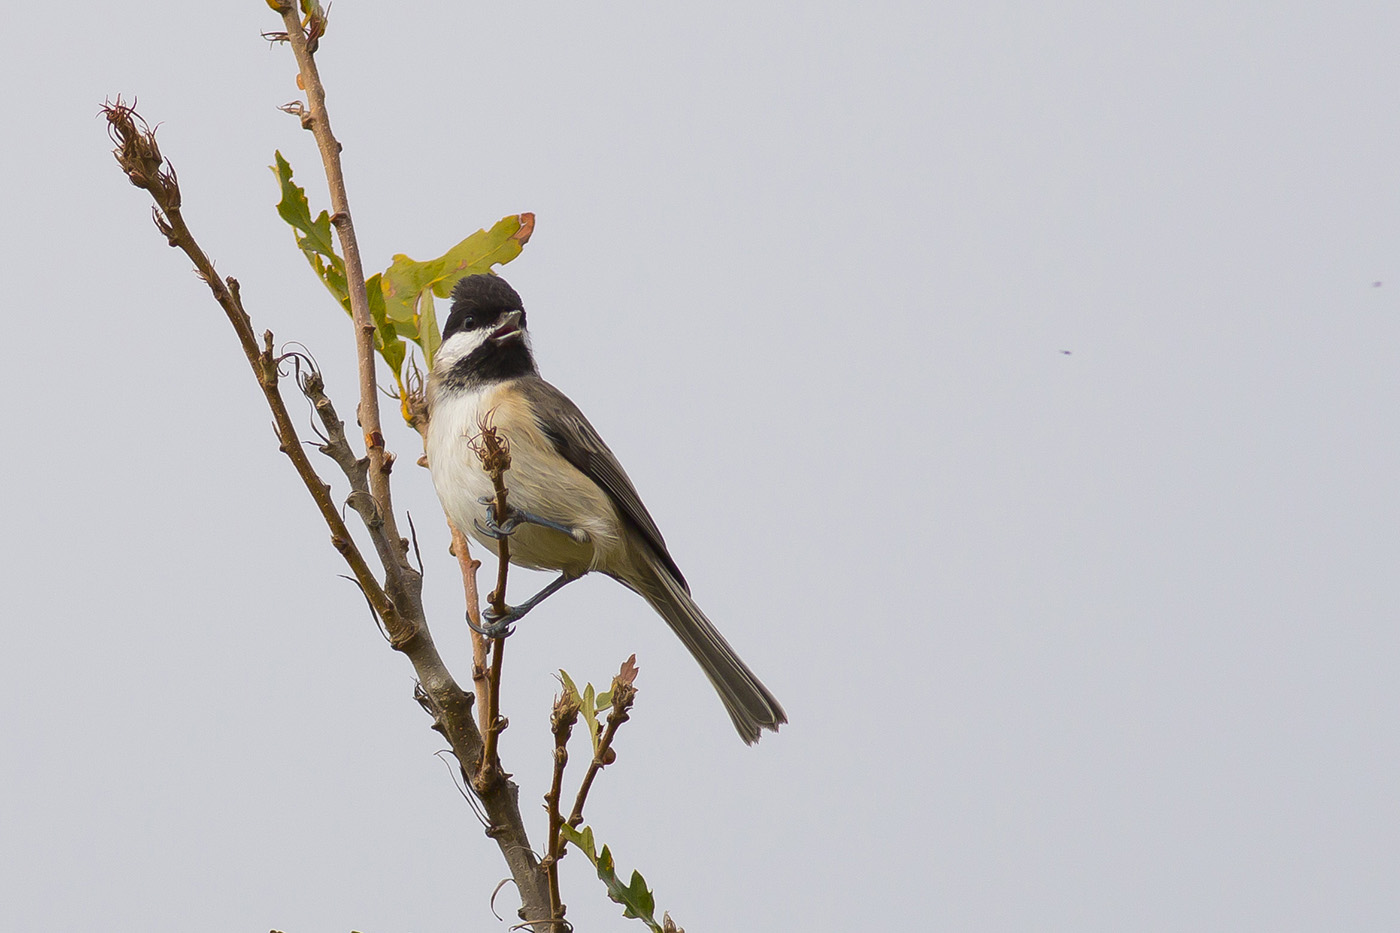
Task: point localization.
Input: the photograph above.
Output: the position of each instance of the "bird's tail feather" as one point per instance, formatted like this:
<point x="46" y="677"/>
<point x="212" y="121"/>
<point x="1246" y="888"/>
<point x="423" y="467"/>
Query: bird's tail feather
<point x="750" y="705"/>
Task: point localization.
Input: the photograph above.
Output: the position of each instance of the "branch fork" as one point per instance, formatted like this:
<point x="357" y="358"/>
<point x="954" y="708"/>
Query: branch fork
<point x="394" y="591"/>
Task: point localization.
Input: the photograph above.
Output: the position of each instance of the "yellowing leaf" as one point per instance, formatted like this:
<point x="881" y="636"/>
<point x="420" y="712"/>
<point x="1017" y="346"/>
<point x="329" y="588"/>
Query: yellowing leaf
<point x="409" y="285"/>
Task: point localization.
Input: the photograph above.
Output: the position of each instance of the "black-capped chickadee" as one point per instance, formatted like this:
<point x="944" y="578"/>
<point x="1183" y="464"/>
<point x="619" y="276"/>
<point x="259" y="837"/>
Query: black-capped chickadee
<point x="572" y="508"/>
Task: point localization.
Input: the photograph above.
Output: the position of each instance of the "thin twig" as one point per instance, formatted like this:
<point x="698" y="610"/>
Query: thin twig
<point x="495" y="723"/>
<point x="494" y="451"/>
<point x="561" y="720"/>
<point x="141" y="159"/>
<point x="469" y="567"/>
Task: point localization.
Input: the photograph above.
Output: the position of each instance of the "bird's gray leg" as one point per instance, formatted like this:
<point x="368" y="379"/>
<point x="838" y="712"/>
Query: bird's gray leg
<point x="516" y="517"/>
<point x="499" y="626"/>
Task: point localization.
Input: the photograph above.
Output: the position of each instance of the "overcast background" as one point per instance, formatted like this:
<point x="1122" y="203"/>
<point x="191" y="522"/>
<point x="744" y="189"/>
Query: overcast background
<point x="1015" y="384"/>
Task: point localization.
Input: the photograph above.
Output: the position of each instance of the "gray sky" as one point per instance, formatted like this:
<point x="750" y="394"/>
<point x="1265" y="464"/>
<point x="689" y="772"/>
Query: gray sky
<point x="1097" y="641"/>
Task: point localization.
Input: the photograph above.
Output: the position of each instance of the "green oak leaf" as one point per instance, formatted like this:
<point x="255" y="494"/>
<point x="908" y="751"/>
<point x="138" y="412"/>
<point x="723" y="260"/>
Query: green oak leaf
<point x="636" y="900"/>
<point x="317" y="244"/>
<point x="314" y="237"/>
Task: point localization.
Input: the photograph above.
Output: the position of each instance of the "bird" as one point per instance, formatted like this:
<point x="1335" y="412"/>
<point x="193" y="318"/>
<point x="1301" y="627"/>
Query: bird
<point x="571" y="507"/>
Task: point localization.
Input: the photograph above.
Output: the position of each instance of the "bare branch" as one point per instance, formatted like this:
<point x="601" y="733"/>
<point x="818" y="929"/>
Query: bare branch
<point x="561" y="720"/>
<point x="303" y="39"/>
<point x="399" y="604"/>
<point x="141" y="159"/>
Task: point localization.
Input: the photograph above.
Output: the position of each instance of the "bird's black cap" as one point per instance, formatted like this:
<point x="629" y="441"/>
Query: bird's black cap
<point x="486" y="291"/>
<point x="477" y="300"/>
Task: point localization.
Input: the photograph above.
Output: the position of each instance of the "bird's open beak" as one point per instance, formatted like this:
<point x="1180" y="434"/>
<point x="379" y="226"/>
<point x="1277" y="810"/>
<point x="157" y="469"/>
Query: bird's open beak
<point x="509" y="328"/>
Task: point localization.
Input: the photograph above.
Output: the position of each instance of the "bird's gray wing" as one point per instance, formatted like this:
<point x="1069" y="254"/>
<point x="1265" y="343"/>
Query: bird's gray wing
<point x="577" y="442"/>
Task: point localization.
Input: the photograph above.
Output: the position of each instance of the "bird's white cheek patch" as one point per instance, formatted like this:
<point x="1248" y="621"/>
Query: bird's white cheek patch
<point x="459" y="345"/>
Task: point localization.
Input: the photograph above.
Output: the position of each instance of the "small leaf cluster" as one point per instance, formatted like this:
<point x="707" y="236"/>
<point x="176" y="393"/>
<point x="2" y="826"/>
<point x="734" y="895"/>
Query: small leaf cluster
<point x="590" y="704"/>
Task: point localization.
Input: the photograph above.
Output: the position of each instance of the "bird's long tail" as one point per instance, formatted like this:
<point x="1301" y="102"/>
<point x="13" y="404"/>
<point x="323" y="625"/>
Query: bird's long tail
<point x="751" y="706"/>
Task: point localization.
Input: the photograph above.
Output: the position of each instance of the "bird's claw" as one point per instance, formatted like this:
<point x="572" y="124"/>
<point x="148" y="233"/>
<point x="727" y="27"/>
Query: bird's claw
<point x="492" y="625"/>
<point x="492" y="530"/>
<point x="498" y="529"/>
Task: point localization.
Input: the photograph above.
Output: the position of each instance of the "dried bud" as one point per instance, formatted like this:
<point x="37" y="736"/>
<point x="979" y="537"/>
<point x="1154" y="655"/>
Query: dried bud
<point x="565" y="713"/>
<point x="139" y="156"/>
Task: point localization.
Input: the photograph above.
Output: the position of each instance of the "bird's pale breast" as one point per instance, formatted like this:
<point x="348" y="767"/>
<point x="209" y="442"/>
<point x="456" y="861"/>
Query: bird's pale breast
<point x="539" y="481"/>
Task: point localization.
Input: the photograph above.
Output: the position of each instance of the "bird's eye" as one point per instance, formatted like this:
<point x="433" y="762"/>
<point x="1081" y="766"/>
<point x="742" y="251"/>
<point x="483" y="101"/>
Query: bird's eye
<point x="468" y="322"/>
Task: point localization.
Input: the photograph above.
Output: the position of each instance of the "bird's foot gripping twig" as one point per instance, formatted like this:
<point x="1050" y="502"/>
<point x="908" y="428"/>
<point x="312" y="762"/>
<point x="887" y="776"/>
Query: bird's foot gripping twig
<point x="495" y="528"/>
<point x="498" y="625"/>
